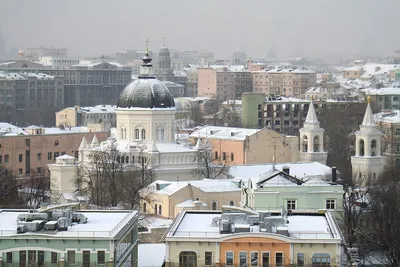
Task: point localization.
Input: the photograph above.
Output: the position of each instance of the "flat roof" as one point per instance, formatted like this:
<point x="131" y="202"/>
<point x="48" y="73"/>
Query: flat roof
<point x="312" y="226"/>
<point x="99" y="224"/>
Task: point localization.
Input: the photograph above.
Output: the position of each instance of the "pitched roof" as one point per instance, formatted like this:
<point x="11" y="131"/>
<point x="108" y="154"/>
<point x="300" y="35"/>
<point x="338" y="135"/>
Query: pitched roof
<point x="277" y="178"/>
<point x="311" y="115"/>
<point x="368" y="117"/>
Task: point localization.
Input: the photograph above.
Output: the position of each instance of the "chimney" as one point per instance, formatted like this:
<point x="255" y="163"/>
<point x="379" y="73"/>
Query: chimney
<point x="157" y="186"/>
<point x="286" y="169"/>
<point x="334" y="176"/>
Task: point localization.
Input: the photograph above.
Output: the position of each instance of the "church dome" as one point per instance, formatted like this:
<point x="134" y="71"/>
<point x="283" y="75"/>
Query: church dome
<point x="146" y="91"/>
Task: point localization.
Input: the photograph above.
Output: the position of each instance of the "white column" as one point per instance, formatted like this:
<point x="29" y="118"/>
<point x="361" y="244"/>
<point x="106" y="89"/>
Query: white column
<point x="310" y="143"/>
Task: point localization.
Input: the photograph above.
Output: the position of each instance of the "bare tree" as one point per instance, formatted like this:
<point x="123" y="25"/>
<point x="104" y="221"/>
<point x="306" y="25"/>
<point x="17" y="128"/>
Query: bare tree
<point x="35" y="189"/>
<point x="110" y="179"/>
<point x="209" y="166"/>
<point x="384" y="216"/>
<point x="9" y="196"/>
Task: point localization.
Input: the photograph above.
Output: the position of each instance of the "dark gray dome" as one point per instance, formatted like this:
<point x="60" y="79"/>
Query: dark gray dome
<point x="146" y="93"/>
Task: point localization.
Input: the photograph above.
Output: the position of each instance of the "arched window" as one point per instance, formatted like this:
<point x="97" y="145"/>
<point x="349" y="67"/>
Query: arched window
<point x="214" y="205"/>
<point x="123" y="132"/>
<point x="143" y="134"/>
<point x="126" y="159"/>
<point x="155" y="209"/>
<point x="137" y="137"/>
<point x="119" y="159"/>
<point x="373" y="148"/>
<point x="361" y="147"/>
<point x="133" y="159"/>
<point x="144" y="207"/>
<point x="316" y="143"/>
<point x="162" y="134"/>
<point x="231" y="203"/>
<point x="160" y="210"/>
<point x="321" y="259"/>
<point x="187" y="259"/>
<point x="304" y="143"/>
<point x="122" y="159"/>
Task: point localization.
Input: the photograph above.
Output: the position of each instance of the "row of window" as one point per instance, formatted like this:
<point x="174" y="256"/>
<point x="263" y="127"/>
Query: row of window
<point x="291" y="204"/>
<point x="254" y="258"/>
<point x="39" y="256"/>
<point x="224" y="156"/>
<point x="50" y="156"/>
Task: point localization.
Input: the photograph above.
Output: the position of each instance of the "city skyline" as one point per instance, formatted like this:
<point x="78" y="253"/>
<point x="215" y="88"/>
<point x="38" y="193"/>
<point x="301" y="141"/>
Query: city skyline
<point x="286" y="28"/>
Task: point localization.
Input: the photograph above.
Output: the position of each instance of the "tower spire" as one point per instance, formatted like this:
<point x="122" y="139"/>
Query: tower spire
<point x="368" y="117"/>
<point x="147" y="45"/>
<point x="311" y="114"/>
<point x="164" y="41"/>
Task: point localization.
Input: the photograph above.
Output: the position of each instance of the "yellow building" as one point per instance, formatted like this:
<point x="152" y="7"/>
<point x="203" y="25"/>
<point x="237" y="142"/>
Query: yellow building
<point x="168" y="199"/>
<point x="237" y="146"/>
<point x="239" y="237"/>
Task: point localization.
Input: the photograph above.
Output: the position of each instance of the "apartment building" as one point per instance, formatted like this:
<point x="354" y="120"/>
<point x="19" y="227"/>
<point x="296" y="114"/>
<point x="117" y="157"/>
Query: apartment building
<point x="243" y="237"/>
<point x="100" y="116"/>
<point x="29" y="90"/>
<point x="62" y="235"/>
<point x="32" y="148"/>
<point x="389" y="124"/>
<point x="84" y="84"/>
<point x="192" y="82"/>
<point x="287" y="114"/>
<point x="224" y="83"/>
<point x="284" y="81"/>
<point x="384" y="98"/>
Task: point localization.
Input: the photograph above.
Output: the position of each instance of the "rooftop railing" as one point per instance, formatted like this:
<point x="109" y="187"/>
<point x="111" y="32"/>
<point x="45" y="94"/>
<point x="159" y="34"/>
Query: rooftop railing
<point x="302" y="235"/>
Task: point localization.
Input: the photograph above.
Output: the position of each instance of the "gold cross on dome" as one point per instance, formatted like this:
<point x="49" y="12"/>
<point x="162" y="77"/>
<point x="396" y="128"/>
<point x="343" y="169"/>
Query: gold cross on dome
<point x="147" y="45"/>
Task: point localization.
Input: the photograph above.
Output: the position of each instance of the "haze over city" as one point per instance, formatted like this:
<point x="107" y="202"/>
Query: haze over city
<point x="309" y="28"/>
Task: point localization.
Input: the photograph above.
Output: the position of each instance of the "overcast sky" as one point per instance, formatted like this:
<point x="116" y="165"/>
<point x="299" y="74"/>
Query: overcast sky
<point x="314" y="28"/>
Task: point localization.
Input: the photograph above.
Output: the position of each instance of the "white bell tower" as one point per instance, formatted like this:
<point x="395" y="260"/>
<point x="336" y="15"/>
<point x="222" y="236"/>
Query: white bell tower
<point x="368" y="163"/>
<point x="312" y="139"/>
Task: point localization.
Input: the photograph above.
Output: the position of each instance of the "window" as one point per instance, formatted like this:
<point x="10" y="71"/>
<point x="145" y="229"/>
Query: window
<point x="231" y="203"/>
<point x="208" y="258"/>
<point x="19" y="171"/>
<point x="330" y="204"/>
<point x="1" y="159"/>
<point x="86" y="258"/>
<point x="9" y="257"/>
<point x="101" y="257"/>
<point x="279" y="259"/>
<point x="31" y="257"/>
<point x="216" y="154"/>
<point x="223" y="155"/>
<point x="187" y="259"/>
<point x="49" y="156"/>
<point x="71" y="256"/>
<point x="137" y="134"/>
<point x="143" y="134"/>
<point x="300" y="259"/>
<point x="155" y="209"/>
<point x="291" y="204"/>
<point x="144" y="207"/>
<point x="232" y="157"/>
<point x="242" y="258"/>
<point x="62" y="153"/>
<point x="159" y="209"/>
<point x="229" y="258"/>
<point x="56" y="154"/>
<point x="321" y="259"/>
<point x="20" y="158"/>
<point x="54" y="257"/>
<point x="254" y="258"/>
<point x="22" y="258"/>
<point x="398" y="131"/>
<point x="39" y="156"/>
<point x="40" y="258"/>
<point x="214" y="205"/>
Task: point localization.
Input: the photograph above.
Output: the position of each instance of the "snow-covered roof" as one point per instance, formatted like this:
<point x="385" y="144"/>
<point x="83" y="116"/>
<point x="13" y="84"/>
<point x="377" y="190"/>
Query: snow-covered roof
<point x="298" y="169"/>
<point x="57" y="130"/>
<point x="390" y="116"/>
<point x="151" y="255"/>
<point x="286" y="99"/>
<point x="99" y="109"/>
<point x="189" y="204"/>
<point x="93" y="64"/>
<point x="199" y="224"/>
<point x="217" y="132"/>
<point x="230" y="102"/>
<point x="7" y="129"/>
<point x="382" y="91"/>
<point x="206" y="185"/>
<point x="100" y="224"/>
<point x="152" y="221"/>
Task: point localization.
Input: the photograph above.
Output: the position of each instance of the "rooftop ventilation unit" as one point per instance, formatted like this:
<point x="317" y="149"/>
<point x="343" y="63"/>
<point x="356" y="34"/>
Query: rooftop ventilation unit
<point x="224" y="227"/>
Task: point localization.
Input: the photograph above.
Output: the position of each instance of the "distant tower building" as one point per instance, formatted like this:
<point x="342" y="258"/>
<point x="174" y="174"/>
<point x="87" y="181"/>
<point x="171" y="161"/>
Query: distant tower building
<point x="312" y="139"/>
<point x="239" y="57"/>
<point x="368" y="163"/>
<point x="165" y="72"/>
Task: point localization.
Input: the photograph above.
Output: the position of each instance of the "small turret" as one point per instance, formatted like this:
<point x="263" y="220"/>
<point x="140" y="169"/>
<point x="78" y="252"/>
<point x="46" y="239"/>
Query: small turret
<point x="95" y="142"/>
<point x="83" y="144"/>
